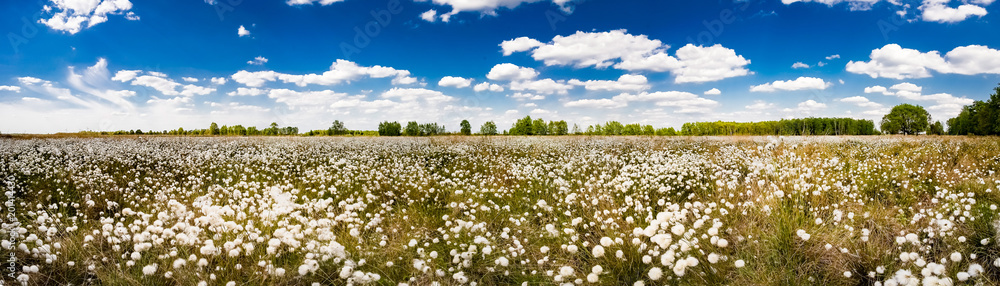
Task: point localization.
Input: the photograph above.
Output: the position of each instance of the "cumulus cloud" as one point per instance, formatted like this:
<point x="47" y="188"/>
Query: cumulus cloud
<point x="10" y="88"/>
<point x="760" y="105"/>
<point x="621" y="50"/>
<point x="519" y="45"/>
<point x="309" y="2"/>
<point x="453" y="81"/>
<point x="894" y="61"/>
<point x="242" y="91"/>
<point x="939" y="11"/>
<point x="340" y="71"/>
<point x="714" y="91"/>
<point x="429" y="15"/>
<point x="545" y="86"/>
<point x="596" y="103"/>
<point x="72" y="16"/>
<point x="242" y="31"/>
<point x="628" y="82"/>
<point x="861" y="101"/>
<point x="257" y="61"/>
<point x="488" y="86"/>
<point x="806" y="107"/>
<point x="511" y="72"/>
<point x="799" y="65"/>
<point x="484" y="7"/>
<point x="855" y="5"/>
<point x="801" y="83"/>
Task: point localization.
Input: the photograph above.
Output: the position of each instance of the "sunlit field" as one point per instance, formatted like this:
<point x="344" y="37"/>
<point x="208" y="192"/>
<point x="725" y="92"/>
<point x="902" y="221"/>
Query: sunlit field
<point x="502" y="211"/>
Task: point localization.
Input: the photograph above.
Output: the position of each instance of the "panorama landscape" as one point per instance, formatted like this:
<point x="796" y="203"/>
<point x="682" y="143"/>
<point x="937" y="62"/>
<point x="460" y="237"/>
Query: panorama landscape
<point x="500" y="142"/>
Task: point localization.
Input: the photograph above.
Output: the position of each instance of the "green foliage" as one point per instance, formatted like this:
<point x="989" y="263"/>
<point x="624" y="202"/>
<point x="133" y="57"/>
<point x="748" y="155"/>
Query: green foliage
<point x="980" y="118"/>
<point x="466" y="127"/>
<point x="338" y="128"/>
<point x="523" y="126"/>
<point x="488" y="128"/>
<point x="412" y="129"/>
<point x="804" y="126"/>
<point x="390" y="128"/>
<point x="907" y="119"/>
<point x="936" y="129"/>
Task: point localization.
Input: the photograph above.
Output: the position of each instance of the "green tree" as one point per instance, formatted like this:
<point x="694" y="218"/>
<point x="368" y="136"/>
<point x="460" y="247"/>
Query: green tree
<point x="337" y="128"/>
<point x="522" y="127"/>
<point x="213" y="129"/>
<point x="538" y="127"/>
<point x="488" y="128"/>
<point x="906" y="119"/>
<point x="466" y="127"/>
<point x="389" y="128"/>
<point x="936" y="129"/>
<point x="979" y="118"/>
<point x="412" y="129"/>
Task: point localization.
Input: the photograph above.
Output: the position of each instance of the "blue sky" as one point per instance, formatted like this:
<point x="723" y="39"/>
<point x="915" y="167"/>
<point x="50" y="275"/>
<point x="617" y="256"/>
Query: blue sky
<point x="71" y="65"/>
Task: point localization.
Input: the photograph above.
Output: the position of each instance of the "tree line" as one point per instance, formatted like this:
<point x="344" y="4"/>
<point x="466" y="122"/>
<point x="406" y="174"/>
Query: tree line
<point x="789" y="127"/>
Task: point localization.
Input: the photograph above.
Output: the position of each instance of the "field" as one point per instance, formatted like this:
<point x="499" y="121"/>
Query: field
<point x="502" y="211"/>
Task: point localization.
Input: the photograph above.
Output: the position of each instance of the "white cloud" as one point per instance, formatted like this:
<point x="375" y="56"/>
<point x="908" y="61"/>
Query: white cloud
<point x="855" y="5"/>
<point x="760" y="105"/>
<point x="488" y="86"/>
<point x="939" y="11"/>
<point x="166" y="86"/>
<point x="218" y="80"/>
<point x="340" y="71"/>
<point x="714" y="91"/>
<point x="596" y="103"/>
<point x="521" y="96"/>
<point x="519" y="45"/>
<point x="628" y="82"/>
<point x="71" y="15"/>
<point x="242" y="31"/>
<point x="306" y="99"/>
<point x="806" y="107"/>
<point x="484" y="7"/>
<point x="705" y="64"/>
<point x="307" y="2"/>
<point x="799" y="65"/>
<point x="429" y="15"/>
<point x="546" y="86"/>
<point x="10" y="88"/>
<point x="457" y="82"/>
<point x="189" y="79"/>
<point x="511" y="72"/>
<point x="242" y="91"/>
<point x="861" y="101"/>
<point x="258" y="61"/>
<point x="683" y="102"/>
<point x="832" y="57"/>
<point x="629" y="52"/>
<point x="893" y="61"/>
<point x="874" y="89"/>
<point x="596" y="49"/>
<point x="27" y="80"/>
<point x="415" y="94"/>
<point x="126" y="75"/>
<point x="801" y="83"/>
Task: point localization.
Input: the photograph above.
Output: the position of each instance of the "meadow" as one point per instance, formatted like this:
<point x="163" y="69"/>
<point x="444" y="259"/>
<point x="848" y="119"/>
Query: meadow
<point x="575" y="210"/>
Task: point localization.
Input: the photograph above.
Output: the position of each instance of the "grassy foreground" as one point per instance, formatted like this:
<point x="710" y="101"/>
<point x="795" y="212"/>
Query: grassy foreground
<point x="501" y="211"/>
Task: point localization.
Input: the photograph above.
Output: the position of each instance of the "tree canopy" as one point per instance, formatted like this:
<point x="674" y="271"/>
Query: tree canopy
<point x="907" y="119"/>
